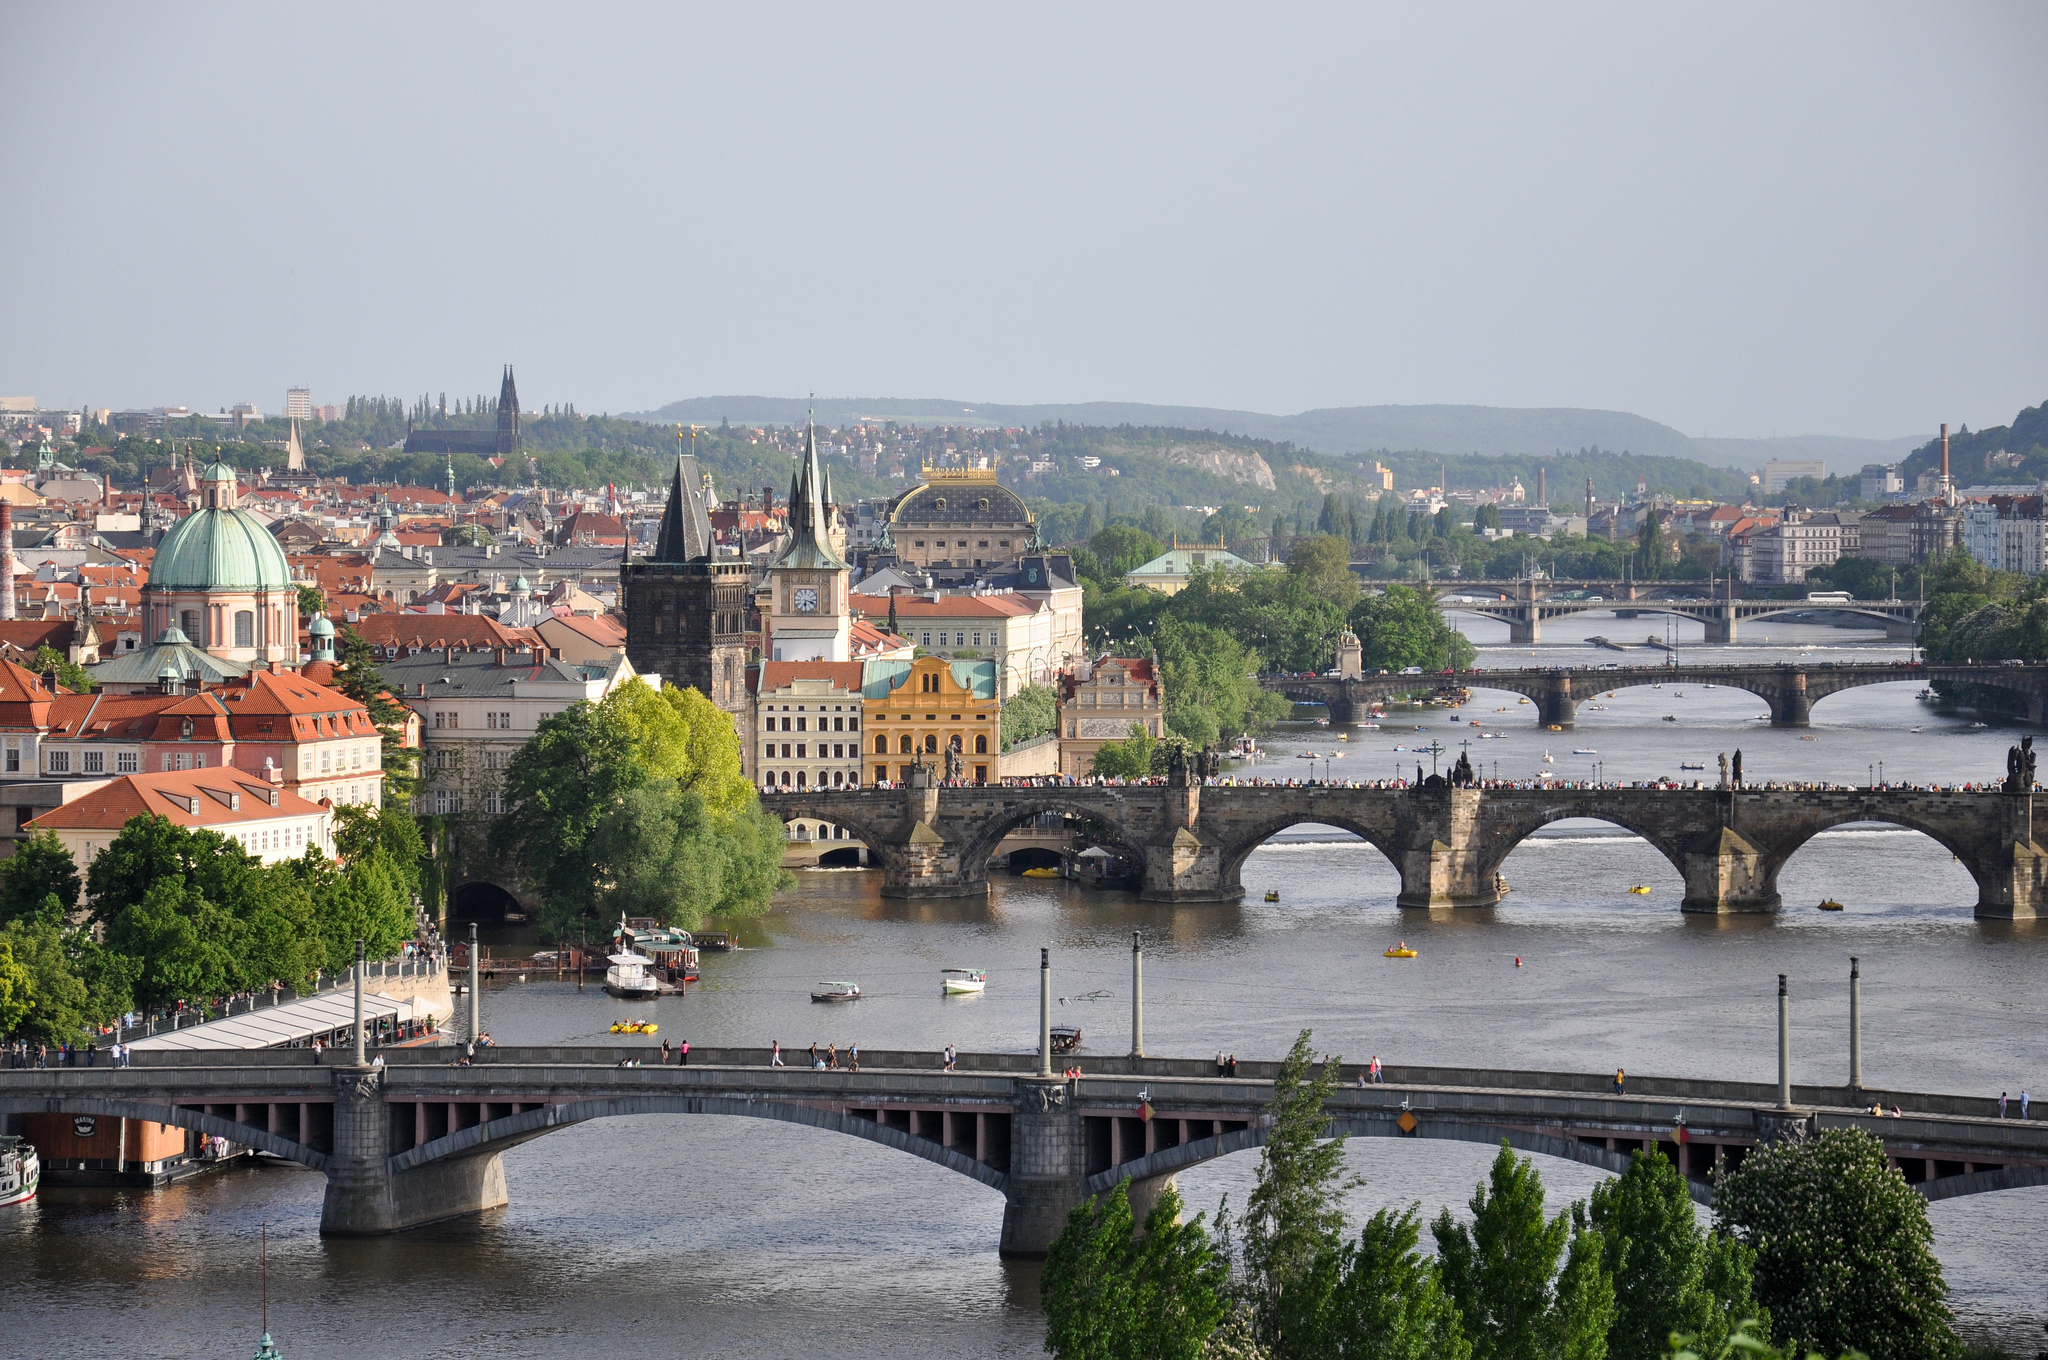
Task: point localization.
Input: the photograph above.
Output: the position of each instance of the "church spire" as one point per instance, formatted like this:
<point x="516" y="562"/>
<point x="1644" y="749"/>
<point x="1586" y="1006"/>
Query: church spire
<point x="810" y="540"/>
<point x="508" y="417"/>
<point x="685" y="534"/>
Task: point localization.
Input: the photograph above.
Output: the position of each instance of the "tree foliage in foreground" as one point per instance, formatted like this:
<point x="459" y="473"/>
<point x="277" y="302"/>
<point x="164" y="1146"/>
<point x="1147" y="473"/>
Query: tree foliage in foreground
<point x="637" y="804"/>
<point x="1669" y="1276"/>
<point x="1114" y="1293"/>
<point x="1844" y="1252"/>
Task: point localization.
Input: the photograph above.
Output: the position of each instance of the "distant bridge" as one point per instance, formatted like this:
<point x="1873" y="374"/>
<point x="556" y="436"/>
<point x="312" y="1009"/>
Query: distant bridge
<point x="1448" y="844"/>
<point x="1524" y="605"/>
<point x="418" y="1140"/>
<point x="1790" y="688"/>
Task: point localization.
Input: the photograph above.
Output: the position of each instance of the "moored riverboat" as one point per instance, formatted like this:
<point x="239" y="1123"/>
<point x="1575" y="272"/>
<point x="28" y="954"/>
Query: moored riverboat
<point x="20" y="1170"/>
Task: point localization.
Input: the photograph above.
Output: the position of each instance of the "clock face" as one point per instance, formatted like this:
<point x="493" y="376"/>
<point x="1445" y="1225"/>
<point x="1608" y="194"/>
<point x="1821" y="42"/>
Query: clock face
<point x="806" y="600"/>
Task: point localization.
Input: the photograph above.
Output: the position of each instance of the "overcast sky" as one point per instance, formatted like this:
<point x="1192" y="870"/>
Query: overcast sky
<point x="1740" y="220"/>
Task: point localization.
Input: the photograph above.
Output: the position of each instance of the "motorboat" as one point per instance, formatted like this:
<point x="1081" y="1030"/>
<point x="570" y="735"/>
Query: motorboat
<point x="1692" y="765"/>
<point x="1830" y="904"/>
<point x="836" y="991"/>
<point x="963" y="981"/>
<point x="1066" y="1038"/>
<point x="1584" y="751"/>
<point x="1670" y="718"/>
<point x="631" y="977"/>
<point x="1400" y="951"/>
<point x="20" y="1170"/>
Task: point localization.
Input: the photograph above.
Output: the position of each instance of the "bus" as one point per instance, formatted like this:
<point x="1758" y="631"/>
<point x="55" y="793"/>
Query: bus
<point x="1829" y="597"/>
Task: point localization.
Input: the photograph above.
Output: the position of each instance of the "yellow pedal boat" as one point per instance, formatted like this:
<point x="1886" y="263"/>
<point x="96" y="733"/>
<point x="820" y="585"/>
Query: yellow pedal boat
<point x="634" y="1027"/>
<point x="1041" y="873"/>
<point x="1272" y="894"/>
<point x="1831" y="905"/>
<point x="1400" y="951"/>
<point x="1640" y="891"/>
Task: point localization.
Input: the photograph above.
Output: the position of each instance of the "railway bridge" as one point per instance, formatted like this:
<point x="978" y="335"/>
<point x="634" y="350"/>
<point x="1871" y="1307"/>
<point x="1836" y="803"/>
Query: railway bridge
<point x="1791" y="689"/>
<point x="416" y="1140"/>
<point x="1447" y="843"/>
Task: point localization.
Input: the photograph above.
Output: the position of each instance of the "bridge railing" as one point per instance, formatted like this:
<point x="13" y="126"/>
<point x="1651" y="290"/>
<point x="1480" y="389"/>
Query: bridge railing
<point x="1026" y="1064"/>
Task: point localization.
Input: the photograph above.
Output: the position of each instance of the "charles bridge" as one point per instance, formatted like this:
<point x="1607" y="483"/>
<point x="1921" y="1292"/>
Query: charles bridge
<point x="1790" y="688"/>
<point x="416" y="1140"/>
<point x="1447" y="843"/>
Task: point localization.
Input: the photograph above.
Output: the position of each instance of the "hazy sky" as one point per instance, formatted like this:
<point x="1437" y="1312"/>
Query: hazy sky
<point x="1739" y="219"/>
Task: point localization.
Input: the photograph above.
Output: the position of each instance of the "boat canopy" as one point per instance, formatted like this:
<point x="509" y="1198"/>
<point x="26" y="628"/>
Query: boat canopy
<point x="293" y="1022"/>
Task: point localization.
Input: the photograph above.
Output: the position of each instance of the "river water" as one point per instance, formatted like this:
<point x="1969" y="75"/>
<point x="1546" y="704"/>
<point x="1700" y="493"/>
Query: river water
<point x="722" y="1237"/>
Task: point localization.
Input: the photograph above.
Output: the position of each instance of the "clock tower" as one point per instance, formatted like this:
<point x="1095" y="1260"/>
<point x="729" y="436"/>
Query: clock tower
<point x="808" y="618"/>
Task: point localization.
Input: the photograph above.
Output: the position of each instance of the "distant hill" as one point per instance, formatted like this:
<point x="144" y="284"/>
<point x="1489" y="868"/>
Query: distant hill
<point x="1442" y="430"/>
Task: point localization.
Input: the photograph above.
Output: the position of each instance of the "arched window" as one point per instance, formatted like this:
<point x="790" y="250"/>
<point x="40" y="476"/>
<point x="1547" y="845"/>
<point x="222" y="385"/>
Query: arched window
<point x="931" y="743"/>
<point x="907" y="747"/>
<point x="981" y="745"/>
<point x="881" y="744"/>
<point x="245" y="628"/>
<point x="188" y="624"/>
<point x="800" y="781"/>
<point x="785" y="779"/>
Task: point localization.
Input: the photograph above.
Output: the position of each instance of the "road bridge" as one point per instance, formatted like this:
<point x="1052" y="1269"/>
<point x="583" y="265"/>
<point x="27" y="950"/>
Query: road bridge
<point x="1448" y="844"/>
<point x="1524" y="605"/>
<point x="1790" y="688"/>
<point x="416" y="1141"/>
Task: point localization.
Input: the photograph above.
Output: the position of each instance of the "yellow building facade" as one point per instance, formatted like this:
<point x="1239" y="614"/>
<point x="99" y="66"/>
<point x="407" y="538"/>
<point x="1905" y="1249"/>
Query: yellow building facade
<point x="917" y="711"/>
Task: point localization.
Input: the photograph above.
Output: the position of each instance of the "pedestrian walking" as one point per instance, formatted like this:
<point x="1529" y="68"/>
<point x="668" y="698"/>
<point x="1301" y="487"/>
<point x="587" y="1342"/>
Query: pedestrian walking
<point x="2024" y="1100"/>
<point x="952" y="1057"/>
<point x="832" y="1056"/>
<point x="683" y="1054"/>
<point x="2001" y="1104"/>
<point x="664" y="1053"/>
<point x="853" y="1057"/>
<point x="1379" y="1076"/>
<point x="1620" y="1081"/>
<point x="775" y="1054"/>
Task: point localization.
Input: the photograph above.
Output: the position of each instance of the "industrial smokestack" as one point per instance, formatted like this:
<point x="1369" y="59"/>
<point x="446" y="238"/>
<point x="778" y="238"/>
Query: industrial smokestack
<point x="6" y="560"/>
<point x="1542" y="495"/>
<point x="1944" y="451"/>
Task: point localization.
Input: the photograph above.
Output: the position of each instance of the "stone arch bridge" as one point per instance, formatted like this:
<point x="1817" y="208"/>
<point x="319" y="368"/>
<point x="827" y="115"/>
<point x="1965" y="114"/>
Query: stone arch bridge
<point x="419" y="1141"/>
<point x="1789" y="688"/>
<point x="1524" y="605"/>
<point x="1447" y="843"/>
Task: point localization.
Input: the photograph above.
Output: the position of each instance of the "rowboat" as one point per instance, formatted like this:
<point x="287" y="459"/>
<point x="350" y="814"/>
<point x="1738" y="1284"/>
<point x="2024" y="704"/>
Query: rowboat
<point x="836" y="991"/>
<point x="961" y="981"/>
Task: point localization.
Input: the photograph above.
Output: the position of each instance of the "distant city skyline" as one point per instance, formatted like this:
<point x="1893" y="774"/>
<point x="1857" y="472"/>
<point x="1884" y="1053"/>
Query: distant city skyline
<point x="1735" y="220"/>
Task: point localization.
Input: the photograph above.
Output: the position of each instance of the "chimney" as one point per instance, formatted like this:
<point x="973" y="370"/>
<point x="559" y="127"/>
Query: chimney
<point x="1944" y="451"/>
<point x="1542" y="493"/>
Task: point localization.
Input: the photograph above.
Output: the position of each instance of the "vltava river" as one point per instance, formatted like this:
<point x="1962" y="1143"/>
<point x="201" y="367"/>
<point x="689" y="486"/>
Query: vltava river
<point x="717" y="1237"/>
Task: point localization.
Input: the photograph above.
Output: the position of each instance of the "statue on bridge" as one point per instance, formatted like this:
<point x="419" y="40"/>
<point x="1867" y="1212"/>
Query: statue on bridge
<point x="1724" y="769"/>
<point x="1461" y="773"/>
<point x="1738" y="767"/>
<point x="2019" y="767"/>
<point x="956" y="765"/>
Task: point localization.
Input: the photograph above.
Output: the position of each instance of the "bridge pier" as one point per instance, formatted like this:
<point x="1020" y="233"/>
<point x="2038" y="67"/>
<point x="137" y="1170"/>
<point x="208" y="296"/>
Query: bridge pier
<point x="2015" y="886"/>
<point x="1048" y="1163"/>
<point x="1720" y="625"/>
<point x="1791" y="706"/>
<point x="365" y="1198"/>
<point x="1725" y="874"/>
<point x="1556" y="707"/>
<point x="924" y="863"/>
<point x="1442" y="864"/>
<point x="1527" y="629"/>
<point x="1181" y="866"/>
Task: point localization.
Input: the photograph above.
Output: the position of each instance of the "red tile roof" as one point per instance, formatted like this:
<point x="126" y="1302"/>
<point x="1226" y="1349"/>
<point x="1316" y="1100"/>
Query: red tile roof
<point x="430" y="632"/>
<point x="775" y="675"/>
<point x="190" y="798"/>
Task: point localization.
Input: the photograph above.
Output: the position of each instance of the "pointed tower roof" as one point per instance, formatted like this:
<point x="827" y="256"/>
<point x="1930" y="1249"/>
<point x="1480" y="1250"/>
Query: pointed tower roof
<point x="685" y="523"/>
<point x="810" y="543"/>
<point x="294" y="451"/>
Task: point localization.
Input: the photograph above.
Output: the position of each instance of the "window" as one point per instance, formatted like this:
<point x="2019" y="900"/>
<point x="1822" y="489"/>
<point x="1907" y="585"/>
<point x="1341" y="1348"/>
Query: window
<point x="245" y="628"/>
<point x="785" y="724"/>
<point x="127" y="762"/>
<point x="494" y="803"/>
<point x="977" y="639"/>
<point x="504" y="722"/>
<point x="14" y="757"/>
<point x="198" y="762"/>
<point x="768" y="749"/>
<point x="447" y="802"/>
<point x="767" y="724"/>
<point x="853" y="724"/>
<point x="188" y="624"/>
<point x="981" y="745"/>
<point x="799" y="724"/>
<point x="95" y="762"/>
<point x="454" y="721"/>
<point x="881" y="773"/>
<point x="440" y="761"/>
<point x="800" y="755"/>
<point x="167" y="761"/>
<point x="907" y="746"/>
<point x="491" y="721"/>
<point x="60" y="762"/>
<point x="927" y="639"/>
<point x="440" y="720"/>
<point x="931" y="743"/>
<point x="327" y="758"/>
<point x="881" y="745"/>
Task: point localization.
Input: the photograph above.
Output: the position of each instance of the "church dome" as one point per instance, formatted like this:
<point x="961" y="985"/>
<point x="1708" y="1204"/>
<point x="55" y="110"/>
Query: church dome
<point x="962" y="501"/>
<point x="219" y="549"/>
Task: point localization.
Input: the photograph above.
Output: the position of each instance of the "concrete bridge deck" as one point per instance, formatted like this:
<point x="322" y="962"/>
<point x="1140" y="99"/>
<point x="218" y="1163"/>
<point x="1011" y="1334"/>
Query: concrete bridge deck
<point x="1448" y="844"/>
<point x="1790" y="689"/>
<point x="418" y="1140"/>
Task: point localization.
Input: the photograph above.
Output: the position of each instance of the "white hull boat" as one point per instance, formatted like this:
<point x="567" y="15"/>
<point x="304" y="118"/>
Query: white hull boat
<point x="630" y="979"/>
<point x="963" y="981"/>
<point x="836" y="991"/>
<point x="20" y="1171"/>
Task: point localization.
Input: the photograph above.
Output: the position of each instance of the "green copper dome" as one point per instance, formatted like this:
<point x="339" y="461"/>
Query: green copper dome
<point x="215" y="549"/>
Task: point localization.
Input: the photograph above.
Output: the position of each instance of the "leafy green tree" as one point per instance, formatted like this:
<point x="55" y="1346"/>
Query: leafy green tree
<point x="1844" y="1253"/>
<point x="1211" y="685"/>
<point x="1377" y="1298"/>
<point x="312" y="600"/>
<point x="51" y="998"/>
<point x="1503" y="1271"/>
<point x="1323" y="562"/>
<point x="1668" y="1275"/>
<point x="40" y="880"/>
<point x="1122" y="549"/>
<point x="1130" y="758"/>
<point x="1295" y="1213"/>
<point x="1113" y="1295"/>
<point x="1749" y="1341"/>
<point x="1400" y="627"/>
<point x="71" y="676"/>
<point x="17" y="987"/>
<point x="1032" y="711"/>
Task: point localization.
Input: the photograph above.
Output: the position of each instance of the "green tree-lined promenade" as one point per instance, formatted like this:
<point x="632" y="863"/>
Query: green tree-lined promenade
<point x="1821" y="1243"/>
<point x="174" y="915"/>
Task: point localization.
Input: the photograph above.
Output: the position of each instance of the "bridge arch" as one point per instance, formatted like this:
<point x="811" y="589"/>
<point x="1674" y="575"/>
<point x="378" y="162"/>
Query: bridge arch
<point x="512" y="1130"/>
<point x="481" y="899"/>
<point x="1801" y="833"/>
<point x="1034" y="803"/>
<point x="184" y="1117"/>
<point x="1381" y="838"/>
<point x="842" y="811"/>
<point x="1503" y="836"/>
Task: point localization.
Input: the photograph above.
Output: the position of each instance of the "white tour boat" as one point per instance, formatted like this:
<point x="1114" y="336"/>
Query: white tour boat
<point x="836" y="991"/>
<point x="630" y="978"/>
<point x="20" y="1170"/>
<point x="963" y="981"/>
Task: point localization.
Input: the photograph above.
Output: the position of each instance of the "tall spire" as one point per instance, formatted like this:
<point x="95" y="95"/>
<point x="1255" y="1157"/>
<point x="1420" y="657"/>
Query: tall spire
<point x="685" y="534"/>
<point x="294" y="451"/>
<point x="508" y="417"/>
<point x="810" y="540"/>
